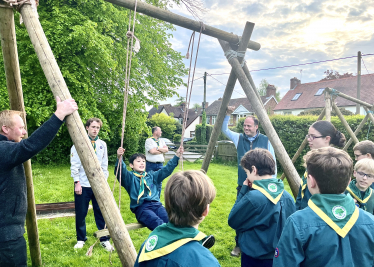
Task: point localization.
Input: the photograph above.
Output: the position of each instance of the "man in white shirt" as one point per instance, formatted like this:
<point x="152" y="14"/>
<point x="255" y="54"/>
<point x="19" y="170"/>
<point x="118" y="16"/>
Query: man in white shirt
<point x="82" y="189"/>
<point x="155" y="148"/>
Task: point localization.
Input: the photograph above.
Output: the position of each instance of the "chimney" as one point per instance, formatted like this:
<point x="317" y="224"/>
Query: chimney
<point x="270" y="90"/>
<point x="294" y="82"/>
<point x="183" y="105"/>
<point x="206" y="104"/>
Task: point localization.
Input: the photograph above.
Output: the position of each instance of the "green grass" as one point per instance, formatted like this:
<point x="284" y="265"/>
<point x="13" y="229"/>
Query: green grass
<point x="57" y="236"/>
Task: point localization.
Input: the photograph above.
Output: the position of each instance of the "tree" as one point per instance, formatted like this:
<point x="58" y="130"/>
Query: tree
<point x="88" y="39"/>
<point x="332" y="75"/>
<point x="180" y="100"/>
<point x="196" y="106"/>
<point x="262" y="89"/>
<point x="165" y="122"/>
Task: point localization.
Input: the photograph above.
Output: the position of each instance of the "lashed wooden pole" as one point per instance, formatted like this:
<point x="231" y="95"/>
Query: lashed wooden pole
<point x="248" y="29"/>
<point x="91" y="165"/>
<point x="337" y="93"/>
<point x="359" y="128"/>
<point x="14" y="85"/>
<point x="281" y="153"/>
<point x="345" y="123"/>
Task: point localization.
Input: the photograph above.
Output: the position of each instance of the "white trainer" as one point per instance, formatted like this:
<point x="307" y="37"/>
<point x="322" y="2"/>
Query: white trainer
<point x="108" y="247"/>
<point x="79" y="244"/>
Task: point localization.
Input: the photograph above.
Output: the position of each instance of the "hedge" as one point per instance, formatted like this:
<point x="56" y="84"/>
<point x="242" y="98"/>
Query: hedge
<point x="209" y="130"/>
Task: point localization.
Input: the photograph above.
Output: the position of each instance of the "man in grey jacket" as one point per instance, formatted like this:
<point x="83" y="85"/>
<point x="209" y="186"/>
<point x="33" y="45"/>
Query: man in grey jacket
<point x="83" y="193"/>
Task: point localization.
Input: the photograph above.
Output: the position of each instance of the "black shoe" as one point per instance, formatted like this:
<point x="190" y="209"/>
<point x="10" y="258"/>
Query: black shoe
<point x="208" y="241"/>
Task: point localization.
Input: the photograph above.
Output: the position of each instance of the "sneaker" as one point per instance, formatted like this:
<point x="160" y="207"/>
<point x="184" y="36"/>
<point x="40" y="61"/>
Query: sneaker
<point x="79" y="244"/>
<point x="108" y="247"/>
<point x="208" y="241"/>
<point x="236" y="252"/>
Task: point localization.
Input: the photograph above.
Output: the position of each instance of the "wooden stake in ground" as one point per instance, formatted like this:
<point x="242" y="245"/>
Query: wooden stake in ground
<point x="95" y="175"/>
<point x="291" y="173"/>
<point x="14" y="85"/>
<point x="248" y="29"/>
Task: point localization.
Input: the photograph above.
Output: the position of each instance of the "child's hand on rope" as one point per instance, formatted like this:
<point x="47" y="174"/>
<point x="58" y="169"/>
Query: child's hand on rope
<point x="179" y="151"/>
<point x="120" y="152"/>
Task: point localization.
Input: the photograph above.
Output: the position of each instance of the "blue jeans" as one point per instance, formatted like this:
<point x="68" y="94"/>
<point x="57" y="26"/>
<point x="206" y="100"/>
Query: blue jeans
<point x="81" y="209"/>
<point x="13" y="253"/>
<point x="151" y="166"/>
<point x="248" y="261"/>
<point x="151" y="214"/>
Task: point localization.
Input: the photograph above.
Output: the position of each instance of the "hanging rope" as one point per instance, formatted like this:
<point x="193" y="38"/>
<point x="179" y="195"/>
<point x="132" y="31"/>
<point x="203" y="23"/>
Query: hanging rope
<point x="189" y="88"/>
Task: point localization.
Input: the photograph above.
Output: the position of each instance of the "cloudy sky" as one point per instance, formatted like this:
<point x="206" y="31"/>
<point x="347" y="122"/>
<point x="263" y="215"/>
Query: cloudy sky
<point x="290" y="32"/>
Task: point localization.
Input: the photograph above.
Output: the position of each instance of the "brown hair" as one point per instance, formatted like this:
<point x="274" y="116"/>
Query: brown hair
<point x="89" y="121"/>
<point x="187" y="195"/>
<point x="326" y="128"/>
<point x="365" y="147"/>
<point x="332" y="169"/>
<point x="261" y="158"/>
<point x="6" y="117"/>
<point x="255" y="120"/>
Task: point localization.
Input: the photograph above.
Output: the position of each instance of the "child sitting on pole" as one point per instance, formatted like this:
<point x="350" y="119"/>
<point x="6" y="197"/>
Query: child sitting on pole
<point x="142" y="188"/>
<point x="261" y="209"/>
<point x="188" y="195"/>
<point x="359" y="188"/>
<point x="331" y="231"/>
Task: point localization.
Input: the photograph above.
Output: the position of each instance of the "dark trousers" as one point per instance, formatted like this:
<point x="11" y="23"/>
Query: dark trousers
<point x="150" y="166"/>
<point x="13" y="253"/>
<point x="237" y="234"/>
<point x="252" y="262"/>
<point x="151" y="214"/>
<point x="81" y="208"/>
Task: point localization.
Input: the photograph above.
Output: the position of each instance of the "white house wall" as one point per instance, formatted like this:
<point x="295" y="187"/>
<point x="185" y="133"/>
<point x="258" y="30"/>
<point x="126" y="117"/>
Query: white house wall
<point x="298" y="111"/>
<point x="191" y="127"/>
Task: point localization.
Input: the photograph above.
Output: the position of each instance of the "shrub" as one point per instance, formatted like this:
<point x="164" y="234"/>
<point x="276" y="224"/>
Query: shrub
<point x="177" y="138"/>
<point x="209" y="129"/>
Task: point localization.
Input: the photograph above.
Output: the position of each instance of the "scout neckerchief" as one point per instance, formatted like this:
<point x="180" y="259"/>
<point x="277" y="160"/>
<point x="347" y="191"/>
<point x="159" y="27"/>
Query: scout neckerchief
<point x="157" y="141"/>
<point x="356" y="193"/>
<point x="338" y="211"/>
<point x="142" y="183"/>
<point x="271" y="188"/>
<point x="93" y="142"/>
<point x="166" y="238"/>
<point x="303" y="183"/>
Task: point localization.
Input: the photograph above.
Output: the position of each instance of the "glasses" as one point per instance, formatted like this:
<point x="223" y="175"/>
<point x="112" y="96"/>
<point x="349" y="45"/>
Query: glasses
<point x="312" y="137"/>
<point x="362" y="174"/>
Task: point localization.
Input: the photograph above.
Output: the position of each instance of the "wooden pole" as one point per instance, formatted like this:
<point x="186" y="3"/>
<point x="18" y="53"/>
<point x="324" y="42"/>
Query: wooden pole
<point x="184" y="22"/>
<point x="91" y="165"/>
<point x="358" y="81"/>
<point x="330" y="90"/>
<point x="249" y="76"/>
<point x="303" y="144"/>
<point x="248" y="29"/>
<point x="359" y="128"/>
<point x="370" y="114"/>
<point x="291" y="173"/>
<point x="345" y="123"/>
<point x="14" y="85"/>
<point x="327" y="105"/>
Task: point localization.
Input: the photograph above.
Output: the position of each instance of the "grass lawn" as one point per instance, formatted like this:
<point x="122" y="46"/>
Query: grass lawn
<point x="57" y="236"/>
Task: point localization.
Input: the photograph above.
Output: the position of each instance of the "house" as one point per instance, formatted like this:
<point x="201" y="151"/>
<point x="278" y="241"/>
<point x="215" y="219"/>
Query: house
<point x="306" y="96"/>
<point x="243" y="107"/>
<point x="178" y="112"/>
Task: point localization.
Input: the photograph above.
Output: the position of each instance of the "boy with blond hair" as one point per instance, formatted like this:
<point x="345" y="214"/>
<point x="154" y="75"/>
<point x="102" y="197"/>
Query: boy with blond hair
<point x="331" y="231"/>
<point x="260" y="210"/>
<point x="179" y="243"/>
<point x="359" y="188"/>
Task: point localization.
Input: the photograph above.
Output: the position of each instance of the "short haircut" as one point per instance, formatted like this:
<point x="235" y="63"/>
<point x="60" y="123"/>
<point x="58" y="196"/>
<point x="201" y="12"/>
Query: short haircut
<point x="135" y="156"/>
<point x="89" y="121"/>
<point x="366" y="165"/>
<point x="187" y="195"/>
<point x="6" y="117"/>
<point x="326" y="128"/>
<point x="332" y="169"/>
<point x="154" y="129"/>
<point x="255" y="120"/>
<point x="261" y="158"/>
<point x="365" y="147"/>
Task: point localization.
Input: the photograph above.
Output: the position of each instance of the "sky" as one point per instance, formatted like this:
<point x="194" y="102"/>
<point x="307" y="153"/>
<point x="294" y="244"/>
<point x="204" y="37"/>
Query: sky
<point x="290" y="32"/>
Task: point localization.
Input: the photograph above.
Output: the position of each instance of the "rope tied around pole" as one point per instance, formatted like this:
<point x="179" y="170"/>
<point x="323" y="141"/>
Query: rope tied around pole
<point x="18" y="4"/>
<point x="230" y="54"/>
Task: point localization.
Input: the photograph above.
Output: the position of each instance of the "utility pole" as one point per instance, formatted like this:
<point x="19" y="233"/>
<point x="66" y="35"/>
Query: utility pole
<point x="204" y="91"/>
<point x="358" y="81"/>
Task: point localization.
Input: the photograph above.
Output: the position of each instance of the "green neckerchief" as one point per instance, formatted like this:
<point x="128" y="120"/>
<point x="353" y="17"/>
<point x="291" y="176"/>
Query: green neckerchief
<point x="157" y="141"/>
<point x="166" y="238"/>
<point x="271" y="188"/>
<point x="93" y="142"/>
<point x="142" y="183"/>
<point x="356" y="193"/>
<point x="303" y="183"/>
<point x="337" y="210"/>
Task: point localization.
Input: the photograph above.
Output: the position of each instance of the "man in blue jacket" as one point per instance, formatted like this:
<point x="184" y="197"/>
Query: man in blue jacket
<point x="13" y="196"/>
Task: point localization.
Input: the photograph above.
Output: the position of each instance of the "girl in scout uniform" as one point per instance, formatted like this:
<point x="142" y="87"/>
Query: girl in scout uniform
<point x="320" y="134"/>
<point x="261" y="209"/>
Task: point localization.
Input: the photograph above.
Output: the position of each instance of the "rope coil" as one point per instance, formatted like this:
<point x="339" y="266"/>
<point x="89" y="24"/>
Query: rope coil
<point x="18" y="4"/>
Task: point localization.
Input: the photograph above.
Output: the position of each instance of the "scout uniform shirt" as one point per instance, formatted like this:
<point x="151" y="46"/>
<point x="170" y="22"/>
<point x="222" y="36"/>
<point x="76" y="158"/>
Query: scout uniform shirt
<point x="364" y="200"/>
<point x="170" y="245"/>
<point x="259" y="215"/>
<point x="304" y="194"/>
<point x="331" y="231"/>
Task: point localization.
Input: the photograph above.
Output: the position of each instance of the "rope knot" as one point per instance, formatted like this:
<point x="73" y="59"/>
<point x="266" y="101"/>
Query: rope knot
<point x="230" y="54"/>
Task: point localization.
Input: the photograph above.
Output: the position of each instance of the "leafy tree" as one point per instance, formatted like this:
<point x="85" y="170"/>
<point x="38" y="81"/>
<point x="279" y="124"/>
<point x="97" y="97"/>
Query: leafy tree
<point x="262" y="89"/>
<point x="88" y="39"/>
<point x="332" y="75"/>
<point x="165" y="122"/>
<point x="196" y="105"/>
<point x="180" y="100"/>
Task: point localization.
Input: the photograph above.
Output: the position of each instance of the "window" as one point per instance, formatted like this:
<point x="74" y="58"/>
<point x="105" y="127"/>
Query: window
<point x="296" y="97"/>
<point x="207" y="119"/>
<point x="180" y="120"/>
<point x="192" y="134"/>
<point x="320" y="91"/>
<point x="231" y="122"/>
<point x="214" y="119"/>
<point x="287" y="113"/>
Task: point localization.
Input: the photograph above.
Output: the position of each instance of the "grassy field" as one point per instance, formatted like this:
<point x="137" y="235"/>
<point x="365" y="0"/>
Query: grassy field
<point x="57" y="236"/>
